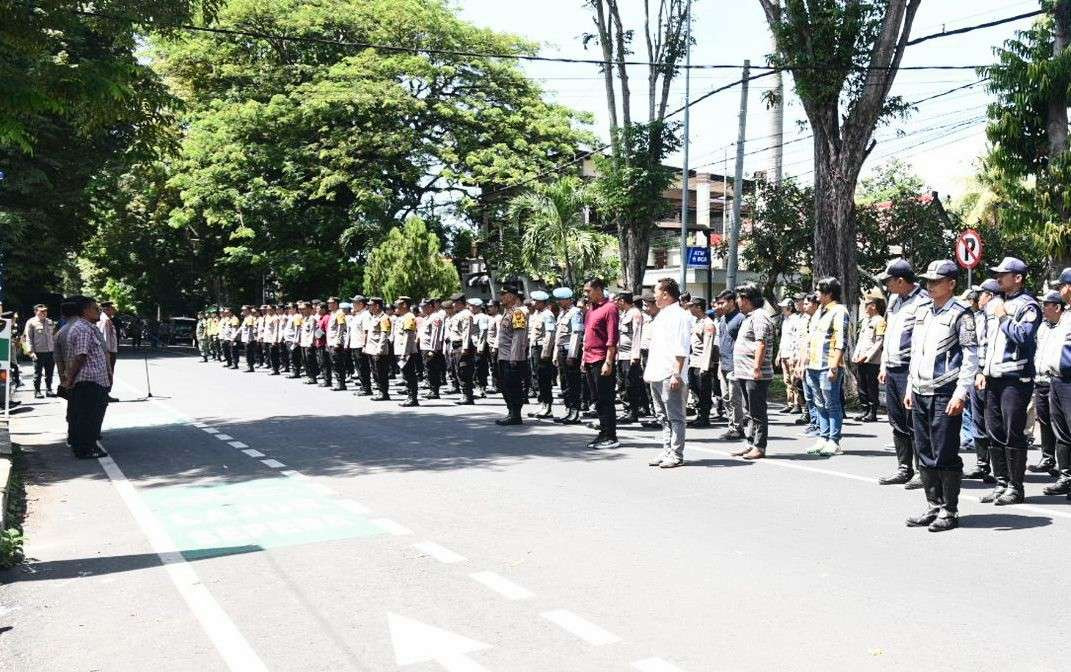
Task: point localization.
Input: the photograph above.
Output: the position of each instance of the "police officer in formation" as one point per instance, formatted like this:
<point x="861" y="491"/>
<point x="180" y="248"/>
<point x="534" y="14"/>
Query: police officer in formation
<point x="946" y="362"/>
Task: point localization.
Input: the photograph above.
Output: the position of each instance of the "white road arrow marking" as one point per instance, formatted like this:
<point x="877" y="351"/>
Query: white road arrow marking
<point x="416" y="642"/>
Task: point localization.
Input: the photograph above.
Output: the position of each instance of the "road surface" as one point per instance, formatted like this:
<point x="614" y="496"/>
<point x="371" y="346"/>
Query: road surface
<point x="248" y="522"/>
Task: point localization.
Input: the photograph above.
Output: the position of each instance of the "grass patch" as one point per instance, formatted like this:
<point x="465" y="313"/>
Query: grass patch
<point x="11" y="538"/>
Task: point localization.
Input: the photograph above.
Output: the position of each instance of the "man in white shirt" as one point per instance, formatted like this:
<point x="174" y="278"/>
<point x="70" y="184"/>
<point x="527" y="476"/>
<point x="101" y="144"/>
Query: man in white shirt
<point x="667" y="371"/>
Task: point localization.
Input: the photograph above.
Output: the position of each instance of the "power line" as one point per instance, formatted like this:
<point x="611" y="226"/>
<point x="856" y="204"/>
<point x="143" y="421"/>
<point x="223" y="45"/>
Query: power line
<point x="980" y="26"/>
<point x="234" y="32"/>
<point x="811" y="135"/>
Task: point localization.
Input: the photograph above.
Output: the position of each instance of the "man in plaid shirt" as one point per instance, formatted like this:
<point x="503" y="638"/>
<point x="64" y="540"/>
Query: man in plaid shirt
<point x="86" y="377"/>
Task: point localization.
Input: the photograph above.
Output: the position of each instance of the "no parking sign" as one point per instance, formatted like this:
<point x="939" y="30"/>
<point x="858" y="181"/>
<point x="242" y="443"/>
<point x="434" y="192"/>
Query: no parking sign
<point x="969" y="249"/>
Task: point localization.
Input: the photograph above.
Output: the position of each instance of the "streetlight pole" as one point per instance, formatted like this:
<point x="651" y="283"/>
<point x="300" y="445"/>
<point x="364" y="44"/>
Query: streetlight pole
<point x="684" y="176"/>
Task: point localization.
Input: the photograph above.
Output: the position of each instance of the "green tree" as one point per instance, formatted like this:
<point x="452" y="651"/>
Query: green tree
<point x="557" y="244"/>
<point x="409" y="263"/>
<point x="777" y="246"/>
<point x="76" y="104"/>
<point x="983" y="209"/>
<point x="843" y="56"/>
<point x="896" y="216"/>
<point x="300" y="156"/>
<point x="632" y="180"/>
<point x="1028" y="165"/>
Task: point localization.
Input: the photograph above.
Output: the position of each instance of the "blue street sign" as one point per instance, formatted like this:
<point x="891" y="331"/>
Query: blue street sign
<point x="698" y="257"/>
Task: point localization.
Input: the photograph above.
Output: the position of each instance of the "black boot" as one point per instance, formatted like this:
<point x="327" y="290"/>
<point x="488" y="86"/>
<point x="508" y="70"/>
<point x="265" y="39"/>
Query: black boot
<point x="931" y="484"/>
<point x="999" y="464"/>
<point x="1014" y="494"/>
<point x="546" y="412"/>
<point x="1046" y="465"/>
<point x="1062" y="486"/>
<point x="904" y="457"/>
<point x="951" y="482"/>
<point x="699" y="421"/>
<point x="981" y="469"/>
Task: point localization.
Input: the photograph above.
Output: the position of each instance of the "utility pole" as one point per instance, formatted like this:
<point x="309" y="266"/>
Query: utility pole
<point x="684" y="176"/>
<point x="777" y="124"/>
<point x="738" y="185"/>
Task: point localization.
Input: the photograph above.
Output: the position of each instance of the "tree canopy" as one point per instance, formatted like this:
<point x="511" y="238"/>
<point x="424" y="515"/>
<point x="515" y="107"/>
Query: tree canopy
<point x="299" y="156"/>
<point x="409" y="263"/>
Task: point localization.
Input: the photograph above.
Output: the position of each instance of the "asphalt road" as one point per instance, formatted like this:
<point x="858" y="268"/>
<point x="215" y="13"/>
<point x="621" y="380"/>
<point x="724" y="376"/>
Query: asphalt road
<point x="248" y="522"/>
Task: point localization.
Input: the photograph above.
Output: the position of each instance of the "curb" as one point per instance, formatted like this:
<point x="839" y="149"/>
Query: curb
<point x="5" y="473"/>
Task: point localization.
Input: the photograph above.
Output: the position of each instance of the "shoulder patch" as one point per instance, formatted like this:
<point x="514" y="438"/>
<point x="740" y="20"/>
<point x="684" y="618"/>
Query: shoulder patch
<point x="520" y="320"/>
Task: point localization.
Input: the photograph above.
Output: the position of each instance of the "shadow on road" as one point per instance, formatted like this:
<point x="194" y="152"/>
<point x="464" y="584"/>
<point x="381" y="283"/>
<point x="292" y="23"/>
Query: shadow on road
<point x="76" y="568"/>
<point x="1003" y="522"/>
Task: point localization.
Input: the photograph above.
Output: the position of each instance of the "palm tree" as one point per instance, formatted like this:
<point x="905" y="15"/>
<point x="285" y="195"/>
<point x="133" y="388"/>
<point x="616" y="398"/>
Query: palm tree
<point x="555" y="237"/>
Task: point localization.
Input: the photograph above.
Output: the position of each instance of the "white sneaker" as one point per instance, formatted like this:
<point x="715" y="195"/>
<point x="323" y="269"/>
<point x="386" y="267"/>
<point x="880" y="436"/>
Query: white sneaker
<point x="831" y="448"/>
<point x="818" y="446"/>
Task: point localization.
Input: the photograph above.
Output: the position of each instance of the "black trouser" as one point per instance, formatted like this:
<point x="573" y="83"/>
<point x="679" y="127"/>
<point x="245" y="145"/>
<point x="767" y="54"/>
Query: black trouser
<point x="754" y="395"/>
<point x="85" y="414"/>
<point x="409" y="365"/>
<point x="230" y="354"/>
<point x="381" y="373"/>
<point x="338" y="358"/>
<point x="534" y="352"/>
<point x="699" y="383"/>
<point x="312" y="362"/>
<point x="436" y="365"/>
<point x="635" y="389"/>
<point x="1060" y="410"/>
<point x="603" y="386"/>
<point x="273" y="356"/>
<point x="513" y="377"/>
<point x="545" y="377"/>
<point x="262" y="353"/>
<point x="868" y="386"/>
<point x="250" y="354"/>
<point x="323" y="358"/>
<point x="364" y="369"/>
<point x="492" y="364"/>
<point x="1006" y="400"/>
<point x="466" y="371"/>
<point x="482" y="368"/>
<point x="896" y="388"/>
<point x="981" y="439"/>
<point x="936" y="432"/>
<point x="46" y="364"/>
<point x="295" y="359"/>
<point x="570" y="381"/>
<point x="1044" y="415"/>
<point x="451" y="366"/>
<point x="644" y="388"/>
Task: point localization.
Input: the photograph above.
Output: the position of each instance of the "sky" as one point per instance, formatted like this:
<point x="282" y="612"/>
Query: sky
<point x="942" y="140"/>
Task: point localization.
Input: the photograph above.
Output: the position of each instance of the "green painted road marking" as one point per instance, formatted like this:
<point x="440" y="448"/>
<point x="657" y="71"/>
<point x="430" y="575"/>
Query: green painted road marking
<point x="210" y="521"/>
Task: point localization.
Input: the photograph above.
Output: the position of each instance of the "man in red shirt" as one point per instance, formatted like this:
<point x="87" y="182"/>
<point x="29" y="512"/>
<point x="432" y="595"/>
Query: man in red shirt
<point x="323" y="357"/>
<point x="600" y="351"/>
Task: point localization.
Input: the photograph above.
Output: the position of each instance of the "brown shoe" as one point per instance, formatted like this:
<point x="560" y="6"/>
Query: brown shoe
<point x="743" y="451"/>
<point x="754" y="454"/>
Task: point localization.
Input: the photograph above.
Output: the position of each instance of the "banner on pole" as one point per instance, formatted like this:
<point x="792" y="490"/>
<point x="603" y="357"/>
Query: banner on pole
<point x="5" y="344"/>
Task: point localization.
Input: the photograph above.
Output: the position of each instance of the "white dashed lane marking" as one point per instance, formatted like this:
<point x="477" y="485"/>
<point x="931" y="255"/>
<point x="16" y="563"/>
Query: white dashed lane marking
<point x="252" y="452"/>
<point x="502" y="585"/>
<point x="579" y="627"/>
<point x="390" y="526"/>
<point x="655" y="665"/>
<point x="274" y="464"/>
<point x="238" y="444"/>
<point x="224" y="437"/>
<point x="210" y="430"/>
<point x="440" y="553"/>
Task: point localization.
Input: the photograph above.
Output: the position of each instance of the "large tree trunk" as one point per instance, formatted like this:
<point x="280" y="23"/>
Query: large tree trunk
<point x="635" y="242"/>
<point x="835" y="239"/>
<point x="1056" y="121"/>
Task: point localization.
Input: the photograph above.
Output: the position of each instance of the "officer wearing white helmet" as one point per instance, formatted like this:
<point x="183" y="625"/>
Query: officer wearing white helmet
<point x="568" y="340"/>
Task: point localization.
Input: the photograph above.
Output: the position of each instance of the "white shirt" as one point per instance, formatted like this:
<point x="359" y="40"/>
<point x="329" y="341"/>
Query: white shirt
<point x="671" y="332"/>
